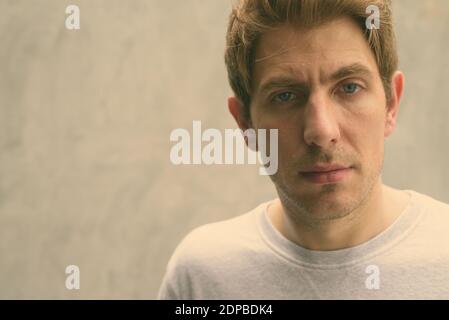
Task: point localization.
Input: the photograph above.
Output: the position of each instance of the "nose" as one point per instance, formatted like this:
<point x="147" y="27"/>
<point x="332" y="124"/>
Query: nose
<point x="320" y="124"/>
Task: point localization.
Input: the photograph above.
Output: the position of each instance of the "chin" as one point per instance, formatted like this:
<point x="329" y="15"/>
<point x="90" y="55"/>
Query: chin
<point x="328" y="209"/>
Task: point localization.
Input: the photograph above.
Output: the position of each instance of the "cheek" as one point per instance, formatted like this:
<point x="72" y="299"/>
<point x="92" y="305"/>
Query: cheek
<point x="366" y="134"/>
<point x="289" y="139"/>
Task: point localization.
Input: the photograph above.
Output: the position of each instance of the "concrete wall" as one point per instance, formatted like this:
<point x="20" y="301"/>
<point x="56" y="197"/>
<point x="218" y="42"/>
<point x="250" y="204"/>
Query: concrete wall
<point x="85" y="119"/>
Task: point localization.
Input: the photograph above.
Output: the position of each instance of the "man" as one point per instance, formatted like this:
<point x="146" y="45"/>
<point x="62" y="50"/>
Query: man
<point x="328" y="81"/>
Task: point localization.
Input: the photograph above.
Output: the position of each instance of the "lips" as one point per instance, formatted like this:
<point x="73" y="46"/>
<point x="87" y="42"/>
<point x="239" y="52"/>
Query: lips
<point x="324" y="168"/>
<point x="331" y="173"/>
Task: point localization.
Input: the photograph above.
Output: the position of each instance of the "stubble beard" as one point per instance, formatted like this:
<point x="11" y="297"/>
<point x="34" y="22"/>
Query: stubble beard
<point x="315" y="211"/>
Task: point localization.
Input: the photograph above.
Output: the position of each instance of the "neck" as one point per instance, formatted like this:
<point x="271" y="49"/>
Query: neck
<point x="377" y="213"/>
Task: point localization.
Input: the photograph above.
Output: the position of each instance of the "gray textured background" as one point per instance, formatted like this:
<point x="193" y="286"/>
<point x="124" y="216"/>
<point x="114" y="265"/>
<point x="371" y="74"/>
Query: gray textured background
<point x="85" y="119"/>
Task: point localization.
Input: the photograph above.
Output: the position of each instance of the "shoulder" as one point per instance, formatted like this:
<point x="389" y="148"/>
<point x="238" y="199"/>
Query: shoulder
<point x="435" y="216"/>
<point x="220" y="239"/>
<point x="206" y="251"/>
<point x="431" y="205"/>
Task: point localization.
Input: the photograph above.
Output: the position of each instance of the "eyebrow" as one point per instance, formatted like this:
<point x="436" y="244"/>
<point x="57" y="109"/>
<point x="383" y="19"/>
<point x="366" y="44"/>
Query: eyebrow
<point x="287" y="81"/>
<point x="351" y="70"/>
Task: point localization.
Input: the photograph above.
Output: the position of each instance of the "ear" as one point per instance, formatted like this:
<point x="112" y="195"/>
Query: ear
<point x="237" y="109"/>
<point x="397" y="88"/>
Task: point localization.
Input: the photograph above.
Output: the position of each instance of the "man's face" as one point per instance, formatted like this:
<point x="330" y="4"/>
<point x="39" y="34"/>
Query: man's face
<point x="321" y="89"/>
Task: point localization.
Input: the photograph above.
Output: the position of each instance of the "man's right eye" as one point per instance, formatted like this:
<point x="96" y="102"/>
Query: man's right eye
<point x="284" y="97"/>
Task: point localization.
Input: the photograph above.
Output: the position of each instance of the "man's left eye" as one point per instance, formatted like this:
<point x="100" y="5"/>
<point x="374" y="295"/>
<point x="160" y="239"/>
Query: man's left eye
<point x="350" y="88"/>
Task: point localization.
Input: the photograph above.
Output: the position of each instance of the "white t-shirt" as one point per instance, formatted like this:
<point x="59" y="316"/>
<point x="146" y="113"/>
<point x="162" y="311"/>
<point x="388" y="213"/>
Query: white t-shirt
<point x="247" y="258"/>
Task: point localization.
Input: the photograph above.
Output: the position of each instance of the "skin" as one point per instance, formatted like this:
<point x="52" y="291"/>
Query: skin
<point x="326" y="113"/>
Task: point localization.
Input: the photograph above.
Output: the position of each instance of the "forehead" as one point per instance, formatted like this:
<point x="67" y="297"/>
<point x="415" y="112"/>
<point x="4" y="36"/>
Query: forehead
<point x="316" y="51"/>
